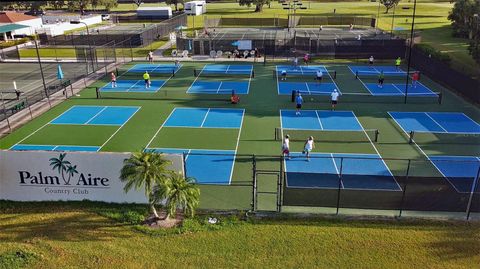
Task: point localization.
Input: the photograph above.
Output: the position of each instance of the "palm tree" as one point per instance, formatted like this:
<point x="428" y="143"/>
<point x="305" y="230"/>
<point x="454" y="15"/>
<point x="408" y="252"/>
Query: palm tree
<point x="178" y="192"/>
<point x="145" y="170"/>
<point x="71" y="171"/>
<point x="61" y="165"/>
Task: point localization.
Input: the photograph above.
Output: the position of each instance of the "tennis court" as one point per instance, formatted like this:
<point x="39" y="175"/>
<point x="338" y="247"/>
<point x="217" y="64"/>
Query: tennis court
<point x="394" y="84"/>
<point x="103" y="121"/>
<point x="219" y="87"/>
<point x="320" y="120"/>
<point x="459" y="171"/>
<point x="226" y="69"/>
<point x="331" y="170"/>
<point x="436" y="122"/>
<point x="134" y="86"/>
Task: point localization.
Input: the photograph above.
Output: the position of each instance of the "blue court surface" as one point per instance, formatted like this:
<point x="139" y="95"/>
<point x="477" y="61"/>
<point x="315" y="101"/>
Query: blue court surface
<point x="155" y="68"/>
<point x="359" y="171"/>
<point x="219" y="163"/>
<point x="96" y="115"/>
<point x="307" y="88"/>
<point x="460" y="171"/>
<point x="227" y="69"/>
<point x="375" y="70"/>
<point x="301" y="70"/>
<point x="437" y="122"/>
<point x="399" y="89"/>
<point x="134" y="86"/>
<point x="219" y="87"/>
<point x="205" y="118"/>
<point x="320" y="120"/>
<point x="55" y="148"/>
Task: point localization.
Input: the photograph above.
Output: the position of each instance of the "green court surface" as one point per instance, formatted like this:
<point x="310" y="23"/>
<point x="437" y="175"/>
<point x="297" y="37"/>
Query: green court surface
<point x="256" y="133"/>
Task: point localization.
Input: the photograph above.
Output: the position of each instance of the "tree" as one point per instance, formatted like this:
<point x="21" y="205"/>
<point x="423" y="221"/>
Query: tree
<point x="145" y="170"/>
<point x="178" y="192"/>
<point x="258" y="4"/>
<point x="34" y="5"/>
<point x="57" y="4"/>
<point x="174" y="2"/>
<point x="81" y="5"/>
<point x="462" y="17"/>
<point x="474" y="47"/>
<point x="389" y="4"/>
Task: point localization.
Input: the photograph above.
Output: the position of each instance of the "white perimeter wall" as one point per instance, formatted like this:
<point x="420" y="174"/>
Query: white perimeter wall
<point x="32" y="26"/>
<point x="29" y="176"/>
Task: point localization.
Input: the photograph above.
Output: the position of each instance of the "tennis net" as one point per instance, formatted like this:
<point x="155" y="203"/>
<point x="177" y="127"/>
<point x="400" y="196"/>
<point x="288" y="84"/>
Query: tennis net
<point x="444" y="138"/>
<point x="329" y="135"/>
<point x="138" y="73"/>
<point x="413" y="98"/>
<point x="224" y="73"/>
<point x="391" y="75"/>
<point x="331" y="74"/>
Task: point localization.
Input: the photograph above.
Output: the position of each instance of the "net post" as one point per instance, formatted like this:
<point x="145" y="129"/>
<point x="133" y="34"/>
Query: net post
<point x="194" y="72"/>
<point x="116" y="71"/>
<point x="173" y="72"/>
<point x="253" y="74"/>
<point x="407" y="174"/>
<point x="356" y="74"/>
<point x="410" y="139"/>
<point x="339" y="184"/>
<point x="254" y="183"/>
<point x="335" y="74"/>
<point x="293" y="96"/>
<point x="440" y="98"/>
<point x="97" y="92"/>
<point x="376" y="135"/>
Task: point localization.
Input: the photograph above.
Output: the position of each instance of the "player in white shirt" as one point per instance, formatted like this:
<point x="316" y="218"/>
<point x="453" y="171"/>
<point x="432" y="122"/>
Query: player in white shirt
<point x="309" y="146"/>
<point x="286" y="146"/>
<point x="319" y="76"/>
<point x="370" y="60"/>
<point x="334" y="98"/>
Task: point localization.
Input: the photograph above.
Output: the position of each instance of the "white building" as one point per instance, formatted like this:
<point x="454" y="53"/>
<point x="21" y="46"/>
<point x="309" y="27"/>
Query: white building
<point x="154" y="12"/>
<point x="14" y="24"/>
<point x="195" y="7"/>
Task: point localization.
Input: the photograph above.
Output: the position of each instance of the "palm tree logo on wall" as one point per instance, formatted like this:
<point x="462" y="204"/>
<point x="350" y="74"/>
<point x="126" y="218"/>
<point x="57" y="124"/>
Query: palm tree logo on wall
<point x="63" y="167"/>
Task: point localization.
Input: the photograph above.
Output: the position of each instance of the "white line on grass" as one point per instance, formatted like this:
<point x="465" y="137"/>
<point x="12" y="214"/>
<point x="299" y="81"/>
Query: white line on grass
<point x="121" y="126"/>
<point x="161" y="126"/>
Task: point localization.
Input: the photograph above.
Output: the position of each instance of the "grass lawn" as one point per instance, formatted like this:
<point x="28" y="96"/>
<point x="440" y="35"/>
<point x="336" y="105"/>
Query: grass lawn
<point x="64" y="235"/>
<point x="70" y="53"/>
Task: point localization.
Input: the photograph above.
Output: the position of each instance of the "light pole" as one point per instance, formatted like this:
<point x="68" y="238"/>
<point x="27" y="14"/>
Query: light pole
<point x="41" y="68"/>
<point x="88" y="41"/>
<point x="410" y="46"/>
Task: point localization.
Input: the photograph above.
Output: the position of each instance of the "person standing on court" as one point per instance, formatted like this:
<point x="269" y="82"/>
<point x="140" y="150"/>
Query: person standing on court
<point x="381" y="78"/>
<point x="334" y="98"/>
<point x="150" y="57"/>
<point x="308" y="147"/>
<point x="286" y="146"/>
<point x="295" y="63"/>
<point x="298" y="102"/>
<point x="415" y="78"/>
<point x="370" y="60"/>
<point x="146" y="78"/>
<point x="398" y="62"/>
<point x="306" y="58"/>
<point x="319" y="76"/>
<point x="114" y="80"/>
<point x="283" y="74"/>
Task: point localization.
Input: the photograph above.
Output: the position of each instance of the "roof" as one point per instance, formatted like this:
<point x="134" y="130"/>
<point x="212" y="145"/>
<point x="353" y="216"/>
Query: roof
<point x="11" y="27"/>
<point x="12" y="17"/>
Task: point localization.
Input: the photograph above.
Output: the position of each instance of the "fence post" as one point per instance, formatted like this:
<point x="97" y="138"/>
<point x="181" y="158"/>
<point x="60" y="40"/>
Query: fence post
<point x="339" y="183"/>
<point x="279" y="185"/>
<point x="5" y="113"/>
<point x="404" y="188"/>
<point x="254" y="181"/>
<point x="472" y="193"/>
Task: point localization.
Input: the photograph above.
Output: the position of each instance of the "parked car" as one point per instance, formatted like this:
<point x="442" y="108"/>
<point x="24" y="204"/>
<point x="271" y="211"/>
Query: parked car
<point x="105" y="17"/>
<point x="35" y="13"/>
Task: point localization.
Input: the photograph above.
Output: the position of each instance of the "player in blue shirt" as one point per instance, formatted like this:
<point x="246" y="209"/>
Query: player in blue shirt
<point x="299" y="102"/>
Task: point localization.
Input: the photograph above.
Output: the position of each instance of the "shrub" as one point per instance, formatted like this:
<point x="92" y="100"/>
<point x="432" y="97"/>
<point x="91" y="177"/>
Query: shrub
<point x="427" y="49"/>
